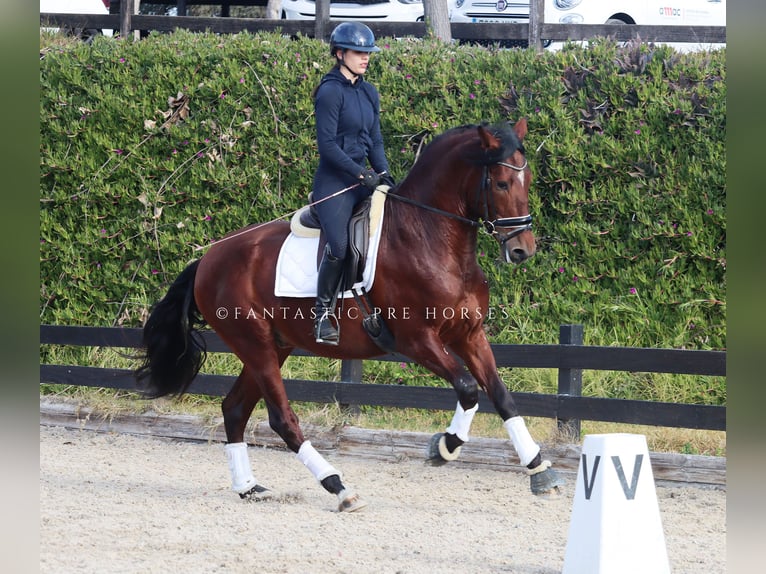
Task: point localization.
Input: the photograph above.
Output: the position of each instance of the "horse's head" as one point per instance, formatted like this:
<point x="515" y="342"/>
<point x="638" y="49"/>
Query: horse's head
<point x="503" y="198"/>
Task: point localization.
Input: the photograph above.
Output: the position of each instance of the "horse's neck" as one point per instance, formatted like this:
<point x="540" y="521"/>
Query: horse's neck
<point x="417" y="225"/>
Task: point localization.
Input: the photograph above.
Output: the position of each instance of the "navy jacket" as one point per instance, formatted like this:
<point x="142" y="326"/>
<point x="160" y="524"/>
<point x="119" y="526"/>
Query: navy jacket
<point x="348" y="132"/>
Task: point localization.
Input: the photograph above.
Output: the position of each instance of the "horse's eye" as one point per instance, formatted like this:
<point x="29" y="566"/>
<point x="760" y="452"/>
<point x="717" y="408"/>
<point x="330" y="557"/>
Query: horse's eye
<point x="503" y="185"/>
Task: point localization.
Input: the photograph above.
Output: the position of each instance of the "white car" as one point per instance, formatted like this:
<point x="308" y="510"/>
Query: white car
<point x="371" y="10"/>
<point x="641" y="12"/>
<point x="77" y="7"/>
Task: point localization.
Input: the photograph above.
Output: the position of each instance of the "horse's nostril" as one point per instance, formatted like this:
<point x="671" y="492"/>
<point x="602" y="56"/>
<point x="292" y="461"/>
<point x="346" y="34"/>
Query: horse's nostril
<point x="519" y="254"/>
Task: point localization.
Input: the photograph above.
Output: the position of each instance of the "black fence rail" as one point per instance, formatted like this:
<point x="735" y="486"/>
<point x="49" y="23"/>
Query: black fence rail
<point x="534" y="33"/>
<point x="569" y="357"/>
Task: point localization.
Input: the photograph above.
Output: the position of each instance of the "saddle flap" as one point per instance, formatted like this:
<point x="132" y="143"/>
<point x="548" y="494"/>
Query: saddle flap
<point x="358" y="243"/>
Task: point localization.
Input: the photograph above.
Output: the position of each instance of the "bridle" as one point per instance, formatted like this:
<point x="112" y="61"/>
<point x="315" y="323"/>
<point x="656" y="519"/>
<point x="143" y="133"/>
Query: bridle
<point x="518" y="224"/>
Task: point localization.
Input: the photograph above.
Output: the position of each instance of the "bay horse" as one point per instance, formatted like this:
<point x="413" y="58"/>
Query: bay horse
<point x="427" y="279"/>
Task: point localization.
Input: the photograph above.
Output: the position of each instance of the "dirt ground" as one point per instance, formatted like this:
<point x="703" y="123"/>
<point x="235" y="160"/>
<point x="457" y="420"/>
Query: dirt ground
<point x="125" y="504"/>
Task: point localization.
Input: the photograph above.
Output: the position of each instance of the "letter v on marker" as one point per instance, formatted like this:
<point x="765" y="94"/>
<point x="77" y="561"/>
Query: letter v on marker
<point x="589" y="484"/>
<point x="630" y="491"/>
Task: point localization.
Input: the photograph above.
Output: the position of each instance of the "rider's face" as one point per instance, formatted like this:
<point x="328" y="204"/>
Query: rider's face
<point x="355" y="61"/>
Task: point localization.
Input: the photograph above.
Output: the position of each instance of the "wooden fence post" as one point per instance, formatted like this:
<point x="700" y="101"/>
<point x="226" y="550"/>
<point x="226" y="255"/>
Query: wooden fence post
<point x="536" y="20"/>
<point x="570" y="380"/>
<point x="351" y="372"/>
<point x="321" y="18"/>
<point x="126" y="15"/>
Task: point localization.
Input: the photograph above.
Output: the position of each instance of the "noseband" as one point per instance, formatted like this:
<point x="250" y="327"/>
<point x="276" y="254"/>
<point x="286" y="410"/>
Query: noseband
<point x="519" y="224"/>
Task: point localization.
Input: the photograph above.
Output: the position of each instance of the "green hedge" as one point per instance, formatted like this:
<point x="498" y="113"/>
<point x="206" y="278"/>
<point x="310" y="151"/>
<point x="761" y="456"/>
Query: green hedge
<point x="152" y="149"/>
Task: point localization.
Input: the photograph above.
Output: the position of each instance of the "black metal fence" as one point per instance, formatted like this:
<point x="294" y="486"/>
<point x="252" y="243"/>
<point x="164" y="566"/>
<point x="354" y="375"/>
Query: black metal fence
<point x="569" y="357"/>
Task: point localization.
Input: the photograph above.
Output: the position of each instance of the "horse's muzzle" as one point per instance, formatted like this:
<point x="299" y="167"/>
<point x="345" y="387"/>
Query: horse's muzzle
<point x="515" y="250"/>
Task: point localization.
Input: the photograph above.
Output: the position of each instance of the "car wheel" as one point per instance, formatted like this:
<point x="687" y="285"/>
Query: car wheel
<point x="89" y="34"/>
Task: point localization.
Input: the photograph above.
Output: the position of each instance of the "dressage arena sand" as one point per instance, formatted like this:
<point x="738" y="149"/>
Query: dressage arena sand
<point x="119" y="503"/>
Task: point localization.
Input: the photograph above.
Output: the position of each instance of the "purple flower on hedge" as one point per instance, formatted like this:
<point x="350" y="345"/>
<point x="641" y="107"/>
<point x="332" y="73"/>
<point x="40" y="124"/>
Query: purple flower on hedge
<point x="561" y="269"/>
<point x="471" y="96"/>
<point x="633" y="290"/>
<point x="207" y="218"/>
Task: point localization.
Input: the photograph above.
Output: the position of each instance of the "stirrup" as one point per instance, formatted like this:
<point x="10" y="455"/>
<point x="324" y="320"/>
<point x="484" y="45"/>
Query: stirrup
<point x="324" y="330"/>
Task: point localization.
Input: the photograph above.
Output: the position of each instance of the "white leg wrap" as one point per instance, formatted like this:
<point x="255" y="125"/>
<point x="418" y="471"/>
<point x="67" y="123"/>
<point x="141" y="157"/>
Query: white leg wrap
<point x="526" y="448"/>
<point x="461" y="422"/>
<point x="315" y="462"/>
<point x="242" y="478"/>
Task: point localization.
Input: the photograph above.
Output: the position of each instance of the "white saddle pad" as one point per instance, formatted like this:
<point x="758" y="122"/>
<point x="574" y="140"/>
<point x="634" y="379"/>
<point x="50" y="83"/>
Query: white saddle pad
<point x="297" y="261"/>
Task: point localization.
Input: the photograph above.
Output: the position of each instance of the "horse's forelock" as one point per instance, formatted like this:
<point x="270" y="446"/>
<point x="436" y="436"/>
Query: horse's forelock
<point x="509" y="142"/>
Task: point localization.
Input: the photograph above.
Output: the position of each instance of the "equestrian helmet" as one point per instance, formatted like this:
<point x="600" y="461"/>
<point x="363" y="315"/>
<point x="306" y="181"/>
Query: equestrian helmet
<point x="353" y="36"/>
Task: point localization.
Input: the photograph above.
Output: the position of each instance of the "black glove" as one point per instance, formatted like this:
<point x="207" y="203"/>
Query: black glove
<point x="370" y="179"/>
<point x="386" y="178"/>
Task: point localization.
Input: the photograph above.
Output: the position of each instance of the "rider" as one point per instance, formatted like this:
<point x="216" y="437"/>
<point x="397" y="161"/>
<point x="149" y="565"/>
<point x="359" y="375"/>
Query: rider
<point x="347" y="110"/>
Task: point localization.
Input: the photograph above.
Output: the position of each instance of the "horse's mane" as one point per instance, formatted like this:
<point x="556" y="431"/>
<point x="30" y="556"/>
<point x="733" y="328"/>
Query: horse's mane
<point x="503" y="131"/>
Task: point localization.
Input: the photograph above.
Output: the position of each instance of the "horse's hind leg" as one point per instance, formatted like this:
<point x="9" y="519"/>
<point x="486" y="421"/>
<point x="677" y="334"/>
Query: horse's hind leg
<point x="237" y="408"/>
<point x="284" y="422"/>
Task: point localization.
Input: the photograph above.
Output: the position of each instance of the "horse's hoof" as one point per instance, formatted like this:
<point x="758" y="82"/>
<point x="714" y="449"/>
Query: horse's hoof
<point x="257" y="494"/>
<point x="546" y="481"/>
<point x="351" y="503"/>
<point x="438" y="454"/>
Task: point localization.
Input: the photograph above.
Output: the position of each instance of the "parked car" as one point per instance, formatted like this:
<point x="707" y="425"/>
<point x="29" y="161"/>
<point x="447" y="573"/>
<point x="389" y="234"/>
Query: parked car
<point x="376" y="10"/>
<point x="77" y="7"/>
<point x="641" y="12"/>
<point x="492" y="12"/>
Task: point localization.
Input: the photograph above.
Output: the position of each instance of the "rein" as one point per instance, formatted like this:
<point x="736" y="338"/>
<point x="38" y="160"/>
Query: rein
<point x="521" y="223"/>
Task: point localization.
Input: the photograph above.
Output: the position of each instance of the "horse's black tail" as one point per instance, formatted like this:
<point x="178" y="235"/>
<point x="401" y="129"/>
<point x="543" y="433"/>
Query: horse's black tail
<point x="174" y="350"/>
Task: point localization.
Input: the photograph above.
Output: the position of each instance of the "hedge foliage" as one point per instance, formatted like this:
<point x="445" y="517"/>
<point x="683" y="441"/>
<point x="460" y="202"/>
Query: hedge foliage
<point x="152" y="149"/>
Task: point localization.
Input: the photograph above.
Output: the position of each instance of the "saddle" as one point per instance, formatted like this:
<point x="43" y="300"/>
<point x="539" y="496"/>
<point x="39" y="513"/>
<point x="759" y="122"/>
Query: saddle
<point x="358" y="238"/>
<point x="305" y="223"/>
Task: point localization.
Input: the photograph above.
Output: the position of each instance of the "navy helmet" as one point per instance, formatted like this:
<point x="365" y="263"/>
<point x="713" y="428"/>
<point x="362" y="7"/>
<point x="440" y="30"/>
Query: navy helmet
<point x="353" y="36"/>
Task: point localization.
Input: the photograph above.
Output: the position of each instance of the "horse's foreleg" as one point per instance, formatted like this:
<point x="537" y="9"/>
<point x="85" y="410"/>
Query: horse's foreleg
<point x="445" y="447"/>
<point x="429" y="352"/>
<point x="480" y="360"/>
<point x="237" y="408"/>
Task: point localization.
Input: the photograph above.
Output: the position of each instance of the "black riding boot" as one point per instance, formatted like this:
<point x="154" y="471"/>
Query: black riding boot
<point x="328" y="284"/>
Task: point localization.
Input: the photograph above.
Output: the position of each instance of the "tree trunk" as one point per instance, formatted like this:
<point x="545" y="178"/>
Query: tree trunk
<point x="437" y="19"/>
<point x="274" y="9"/>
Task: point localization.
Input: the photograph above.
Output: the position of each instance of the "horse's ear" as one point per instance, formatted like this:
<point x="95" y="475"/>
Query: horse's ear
<point x="489" y="141"/>
<point x="521" y="128"/>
